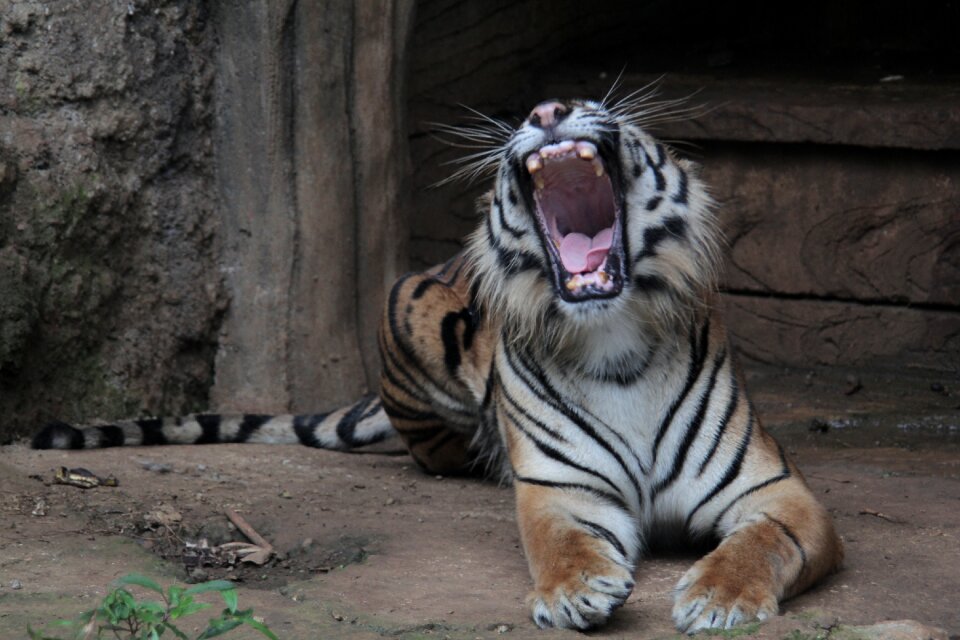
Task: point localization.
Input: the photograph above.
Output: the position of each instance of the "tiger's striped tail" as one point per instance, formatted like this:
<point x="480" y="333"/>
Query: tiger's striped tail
<point x="358" y="425"/>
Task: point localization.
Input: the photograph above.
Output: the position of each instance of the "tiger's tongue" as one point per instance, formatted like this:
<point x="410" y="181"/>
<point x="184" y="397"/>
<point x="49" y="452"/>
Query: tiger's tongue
<point x="580" y="253"/>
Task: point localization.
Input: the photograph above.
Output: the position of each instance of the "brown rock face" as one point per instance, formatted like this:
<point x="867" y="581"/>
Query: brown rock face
<point x="110" y="296"/>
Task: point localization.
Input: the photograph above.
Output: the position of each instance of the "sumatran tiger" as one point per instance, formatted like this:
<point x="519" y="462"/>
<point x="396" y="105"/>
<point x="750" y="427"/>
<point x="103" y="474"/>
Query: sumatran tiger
<point x="576" y="349"/>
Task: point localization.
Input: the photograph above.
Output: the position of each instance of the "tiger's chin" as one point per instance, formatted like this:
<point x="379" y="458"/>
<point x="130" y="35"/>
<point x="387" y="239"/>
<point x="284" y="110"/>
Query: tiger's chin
<point x="569" y="185"/>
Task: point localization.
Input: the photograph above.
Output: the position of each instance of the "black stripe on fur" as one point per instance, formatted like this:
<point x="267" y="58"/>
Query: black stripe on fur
<point x="57" y="431"/>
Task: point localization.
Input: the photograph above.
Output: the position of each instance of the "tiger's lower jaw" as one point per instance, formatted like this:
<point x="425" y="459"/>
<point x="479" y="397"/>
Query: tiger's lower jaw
<point x="603" y="283"/>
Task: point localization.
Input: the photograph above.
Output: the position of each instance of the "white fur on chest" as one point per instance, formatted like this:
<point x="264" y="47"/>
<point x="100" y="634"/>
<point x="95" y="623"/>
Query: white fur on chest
<point x="633" y="410"/>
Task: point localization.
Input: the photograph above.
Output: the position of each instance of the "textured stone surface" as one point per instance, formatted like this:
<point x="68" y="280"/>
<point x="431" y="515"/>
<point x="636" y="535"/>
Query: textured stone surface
<point x="872" y="225"/>
<point x="805" y="333"/>
<point x="843" y="250"/>
<point x="906" y="114"/>
<point x="110" y="296"/>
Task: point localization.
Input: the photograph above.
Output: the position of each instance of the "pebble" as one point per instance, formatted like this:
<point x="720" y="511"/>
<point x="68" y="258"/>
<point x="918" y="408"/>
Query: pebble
<point x="156" y="467"/>
<point x="16" y="584"/>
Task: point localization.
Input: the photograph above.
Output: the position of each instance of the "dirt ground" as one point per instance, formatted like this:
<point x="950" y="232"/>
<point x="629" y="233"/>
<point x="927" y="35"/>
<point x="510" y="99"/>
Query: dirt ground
<point x="371" y="547"/>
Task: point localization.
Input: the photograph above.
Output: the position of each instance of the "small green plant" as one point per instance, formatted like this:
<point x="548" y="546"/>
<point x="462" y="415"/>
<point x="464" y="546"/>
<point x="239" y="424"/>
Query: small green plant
<point x="121" y="616"/>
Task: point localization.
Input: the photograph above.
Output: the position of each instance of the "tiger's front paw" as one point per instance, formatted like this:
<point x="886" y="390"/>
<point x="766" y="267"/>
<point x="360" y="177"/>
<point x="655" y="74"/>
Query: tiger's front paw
<point x="583" y="601"/>
<point x="715" y="594"/>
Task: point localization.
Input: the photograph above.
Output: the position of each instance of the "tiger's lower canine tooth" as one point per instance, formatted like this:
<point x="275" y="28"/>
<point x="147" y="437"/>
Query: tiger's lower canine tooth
<point x="597" y="167"/>
<point x="538" y="180"/>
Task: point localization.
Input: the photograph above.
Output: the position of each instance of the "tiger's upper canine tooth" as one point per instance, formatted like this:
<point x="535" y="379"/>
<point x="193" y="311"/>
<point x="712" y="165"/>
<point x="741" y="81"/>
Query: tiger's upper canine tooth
<point x="534" y="163"/>
<point x="586" y="150"/>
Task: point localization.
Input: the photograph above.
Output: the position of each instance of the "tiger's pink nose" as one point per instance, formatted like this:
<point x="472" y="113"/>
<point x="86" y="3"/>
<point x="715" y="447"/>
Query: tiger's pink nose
<point x="547" y="114"/>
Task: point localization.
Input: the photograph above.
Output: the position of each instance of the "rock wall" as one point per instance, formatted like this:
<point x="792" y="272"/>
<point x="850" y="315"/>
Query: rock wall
<point x="203" y="203"/>
<point x="110" y="288"/>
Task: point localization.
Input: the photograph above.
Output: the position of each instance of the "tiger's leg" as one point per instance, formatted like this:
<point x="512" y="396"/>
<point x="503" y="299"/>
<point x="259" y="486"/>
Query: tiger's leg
<point x="777" y="541"/>
<point x="429" y="345"/>
<point x="581" y="551"/>
<point x="577" y="521"/>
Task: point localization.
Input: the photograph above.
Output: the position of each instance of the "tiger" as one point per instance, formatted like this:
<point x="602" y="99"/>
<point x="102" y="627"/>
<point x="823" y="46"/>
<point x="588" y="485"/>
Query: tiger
<point x="575" y="349"/>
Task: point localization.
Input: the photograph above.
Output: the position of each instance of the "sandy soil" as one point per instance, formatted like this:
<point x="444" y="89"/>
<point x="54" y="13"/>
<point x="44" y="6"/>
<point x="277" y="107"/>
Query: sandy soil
<point x="371" y="547"/>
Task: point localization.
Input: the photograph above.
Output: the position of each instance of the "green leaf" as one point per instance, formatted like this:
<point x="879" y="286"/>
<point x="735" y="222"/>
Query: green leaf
<point x="230" y="599"/>
<point x="140" y="581"/>
<point x="37" y="635"/>
<point x="151" y="606"/>
<point x="212" y="585"/>
<point x="173" y="596"/>
<point x="262" y="628"/>
<point x="245" y="613"/>
<point x="149" y="617"/>
<point x="189" y="609"/>
<point x="184" y="602"/>
<point x="218" y="627"/>
<point x="177" y="632"/>
<point x="121" y="611"/>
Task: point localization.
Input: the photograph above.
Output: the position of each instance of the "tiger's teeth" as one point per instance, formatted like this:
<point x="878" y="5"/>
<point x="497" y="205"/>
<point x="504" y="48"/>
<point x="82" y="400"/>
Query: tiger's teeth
<point x="566" y="146"/>
<point x="597" y="167"/>
<point x="586" y="150"/>
<point x="534" y="163"/>
<point x="538" y="180"/>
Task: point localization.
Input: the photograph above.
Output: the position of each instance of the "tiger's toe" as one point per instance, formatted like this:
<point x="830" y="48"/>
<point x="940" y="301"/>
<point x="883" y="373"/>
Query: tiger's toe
<point x="582" y="604"/>
<point x="704" y="600"/>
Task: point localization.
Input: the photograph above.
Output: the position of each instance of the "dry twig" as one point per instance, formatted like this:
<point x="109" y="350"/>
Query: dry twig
<point x="257" y="553"/>
<point x="877" y="514"/>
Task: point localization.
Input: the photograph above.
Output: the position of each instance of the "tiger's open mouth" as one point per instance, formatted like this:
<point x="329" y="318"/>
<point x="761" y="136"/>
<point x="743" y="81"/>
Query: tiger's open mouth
<point x="580" y="219"/>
